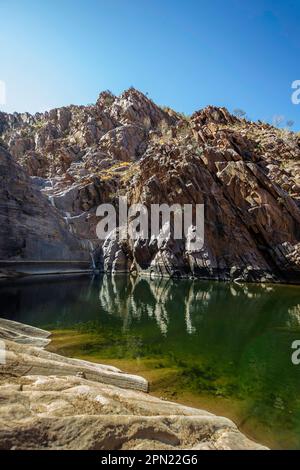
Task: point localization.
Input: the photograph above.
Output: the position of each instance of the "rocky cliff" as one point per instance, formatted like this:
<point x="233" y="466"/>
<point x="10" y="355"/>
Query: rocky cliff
<point x="30" y="227"/>
<point x="245" y="173"/>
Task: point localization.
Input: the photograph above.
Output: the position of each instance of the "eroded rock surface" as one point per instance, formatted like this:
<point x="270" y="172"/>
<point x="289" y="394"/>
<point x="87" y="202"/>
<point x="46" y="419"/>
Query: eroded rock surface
<point x="30" y="227"/>
<point x="245" y="173"/>
<point x="51" y="402"/>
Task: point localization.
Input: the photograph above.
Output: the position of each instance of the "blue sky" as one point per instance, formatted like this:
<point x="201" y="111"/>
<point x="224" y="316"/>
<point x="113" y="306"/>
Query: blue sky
<point x="186" y="54"/>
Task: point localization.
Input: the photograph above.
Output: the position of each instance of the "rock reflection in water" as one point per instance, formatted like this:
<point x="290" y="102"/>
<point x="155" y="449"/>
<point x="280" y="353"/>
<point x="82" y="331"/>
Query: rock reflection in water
<point x="199" y="303"/>
<point x="237" y="310"/>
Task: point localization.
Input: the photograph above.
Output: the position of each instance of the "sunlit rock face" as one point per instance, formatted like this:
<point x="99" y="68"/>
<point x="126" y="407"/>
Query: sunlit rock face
<point x="251" y="223"/>
<point x="246" y="174"/>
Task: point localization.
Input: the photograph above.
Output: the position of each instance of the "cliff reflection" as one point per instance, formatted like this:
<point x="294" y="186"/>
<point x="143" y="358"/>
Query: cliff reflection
<point x="238" y="309"/>
<point x="218" y="312"/>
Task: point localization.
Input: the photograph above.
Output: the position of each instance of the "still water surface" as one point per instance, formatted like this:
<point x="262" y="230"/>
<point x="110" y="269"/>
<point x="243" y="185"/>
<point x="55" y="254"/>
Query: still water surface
<point x="219" y="346"/>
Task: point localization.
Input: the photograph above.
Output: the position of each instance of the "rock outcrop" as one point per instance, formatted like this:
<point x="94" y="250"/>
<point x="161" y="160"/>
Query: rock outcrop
<point x="51" y="402"/>
<point x="251" y="223"/>
<point x="245" y="173"/>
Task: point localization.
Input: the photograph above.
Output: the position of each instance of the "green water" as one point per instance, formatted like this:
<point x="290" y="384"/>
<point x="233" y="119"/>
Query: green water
<point x="222" y="344"/>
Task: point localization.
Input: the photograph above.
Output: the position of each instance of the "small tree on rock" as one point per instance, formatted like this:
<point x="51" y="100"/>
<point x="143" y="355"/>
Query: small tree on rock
<point x="278" y="120"/>
<point x="290" y="123"/>
<point x="239" y="113"/>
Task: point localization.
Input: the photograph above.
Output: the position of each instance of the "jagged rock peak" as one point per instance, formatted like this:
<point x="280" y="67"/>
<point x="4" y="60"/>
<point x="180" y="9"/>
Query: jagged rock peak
<point x="132" y="106"/>
<point x="105" y="99"/>
<point x="213" y="114"/>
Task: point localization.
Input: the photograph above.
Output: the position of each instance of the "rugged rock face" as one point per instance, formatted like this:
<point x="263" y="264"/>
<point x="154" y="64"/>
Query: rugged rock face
<point x="246" y="174"/>
<point x="252" y="219"/>
<point x="30" y="228"/>
<point x="75" y="141"/>
<point x="51" y="402"/>
<point x="251" y="223"/>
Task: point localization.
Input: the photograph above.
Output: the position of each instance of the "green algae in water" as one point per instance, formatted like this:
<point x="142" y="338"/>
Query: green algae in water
<point x="227" y="343"/>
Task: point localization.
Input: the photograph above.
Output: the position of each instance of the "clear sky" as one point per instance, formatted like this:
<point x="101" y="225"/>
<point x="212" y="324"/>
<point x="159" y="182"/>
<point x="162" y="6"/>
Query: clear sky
<point x="185" y="53"/>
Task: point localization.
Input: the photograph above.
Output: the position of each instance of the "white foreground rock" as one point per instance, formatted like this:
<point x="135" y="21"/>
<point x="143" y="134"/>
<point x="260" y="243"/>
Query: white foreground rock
<point x="51" y="402"/>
